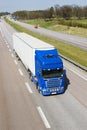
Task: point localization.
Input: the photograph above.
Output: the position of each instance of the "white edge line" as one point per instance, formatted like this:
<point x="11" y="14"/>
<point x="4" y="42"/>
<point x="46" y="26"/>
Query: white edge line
<point x="78" y="74"/>
<point x="15" y="62"/>
<point x="20" y="71"/>
<point x="28" y="87"/>
<point x="46" y="123"/>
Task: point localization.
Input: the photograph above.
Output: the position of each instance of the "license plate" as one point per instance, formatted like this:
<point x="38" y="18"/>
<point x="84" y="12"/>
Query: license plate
<point x="53" y="92"/>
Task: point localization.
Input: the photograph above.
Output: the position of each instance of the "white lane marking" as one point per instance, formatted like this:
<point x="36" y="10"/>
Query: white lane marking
<point x="8" y="46"/>
<point x="15" y="62"/>
<point x="12" y="55"/>
<point x="46" y="123"/>
<point x="28" y="87"/>
<point x="9" y="50"/>
<point x="78" y="74"/>
<point x="20" y="71"/>
<point x="2" y="33"/>
<point x="6" y="42"/>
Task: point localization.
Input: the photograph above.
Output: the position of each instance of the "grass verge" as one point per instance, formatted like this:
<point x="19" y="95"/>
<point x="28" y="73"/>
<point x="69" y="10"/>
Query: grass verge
<point x="74" y="53"/>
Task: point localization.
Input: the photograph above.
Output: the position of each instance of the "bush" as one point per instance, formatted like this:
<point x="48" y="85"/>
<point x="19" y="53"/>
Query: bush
<point x="72" y="23"/>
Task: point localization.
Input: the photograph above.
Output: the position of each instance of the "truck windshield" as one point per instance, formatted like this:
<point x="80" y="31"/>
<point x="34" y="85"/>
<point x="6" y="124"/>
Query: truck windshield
<point x="52" y="73"/>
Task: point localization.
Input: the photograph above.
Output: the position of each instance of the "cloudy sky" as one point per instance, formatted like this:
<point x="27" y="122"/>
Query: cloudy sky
<point x="14" y="5"/>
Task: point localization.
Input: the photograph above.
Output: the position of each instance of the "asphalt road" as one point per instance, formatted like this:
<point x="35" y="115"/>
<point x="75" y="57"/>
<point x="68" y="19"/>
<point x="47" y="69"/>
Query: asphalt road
<point x="23" y="108"/>
<point x="17" y="108"/>
<point x="66" y="38"/>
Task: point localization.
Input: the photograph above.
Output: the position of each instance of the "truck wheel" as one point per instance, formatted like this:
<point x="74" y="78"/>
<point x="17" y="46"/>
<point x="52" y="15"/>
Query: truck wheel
<point x="31" y="79"/>
<point x="38" y="89"/>
<point x="30" y="76"/>
<point x="36" y="85"/>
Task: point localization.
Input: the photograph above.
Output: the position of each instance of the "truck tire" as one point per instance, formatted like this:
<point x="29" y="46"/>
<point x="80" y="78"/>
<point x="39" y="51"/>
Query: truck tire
<point x="29" y="74"/>
<point x="38" y="89"/>
<point x="37" y="85"/>
<point x="30" y="77"/>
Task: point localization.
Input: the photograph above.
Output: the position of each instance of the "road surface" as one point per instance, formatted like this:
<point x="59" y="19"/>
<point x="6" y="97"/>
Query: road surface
<point x="23" y="108"/>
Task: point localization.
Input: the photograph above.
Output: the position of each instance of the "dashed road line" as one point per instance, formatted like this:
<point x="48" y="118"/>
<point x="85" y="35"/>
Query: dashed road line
<point x="12" y="55"/>
<point x="20" y="71"/>
<point x="8" y="46"/>
<point x="46" y="123"/>
<point x="28" y="87"/>
<point x="15" y="62"/>
<point x="6" y="41"/>
<point x="9" y="50"/>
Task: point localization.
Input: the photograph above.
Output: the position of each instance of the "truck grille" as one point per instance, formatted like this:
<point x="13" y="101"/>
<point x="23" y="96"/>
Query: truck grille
<point x="54" y="83"/>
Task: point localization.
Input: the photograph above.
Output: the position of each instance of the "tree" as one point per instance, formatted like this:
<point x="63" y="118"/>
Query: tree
<point x="51" y="12"/>
<point x="66" y="11"/>
<point x="4" y="13"/>
<point x="57" y="9"/>
<point x="77" y="11"/>
<point x="85" y="11"/>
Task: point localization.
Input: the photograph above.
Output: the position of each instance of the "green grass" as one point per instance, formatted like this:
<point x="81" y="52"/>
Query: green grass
<point x="74" y="53"/>
<point x="83" y="21"/>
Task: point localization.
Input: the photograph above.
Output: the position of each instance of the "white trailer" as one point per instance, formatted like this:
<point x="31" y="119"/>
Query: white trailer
<point x="25" y="45"/>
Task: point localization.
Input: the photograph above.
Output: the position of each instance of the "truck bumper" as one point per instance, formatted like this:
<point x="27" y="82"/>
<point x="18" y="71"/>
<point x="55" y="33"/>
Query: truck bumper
<point x="45" y="92"/>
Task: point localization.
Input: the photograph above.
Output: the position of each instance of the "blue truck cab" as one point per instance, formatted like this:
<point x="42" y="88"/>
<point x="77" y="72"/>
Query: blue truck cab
<point x="49" y="72"/>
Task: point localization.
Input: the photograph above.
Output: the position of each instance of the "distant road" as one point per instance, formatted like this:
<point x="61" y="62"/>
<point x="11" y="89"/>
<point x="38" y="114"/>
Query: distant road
<point x="66" y="38"/>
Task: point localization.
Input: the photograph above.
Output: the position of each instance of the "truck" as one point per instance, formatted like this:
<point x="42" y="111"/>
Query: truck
<point x="43" y="63"/>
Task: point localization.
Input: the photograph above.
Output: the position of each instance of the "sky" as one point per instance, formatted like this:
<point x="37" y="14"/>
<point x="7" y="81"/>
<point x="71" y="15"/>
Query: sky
<point x="16" y="5"/>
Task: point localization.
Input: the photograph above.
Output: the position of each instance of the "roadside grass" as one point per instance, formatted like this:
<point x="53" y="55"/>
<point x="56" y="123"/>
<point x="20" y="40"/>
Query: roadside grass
<point x="54" y="25"/>
<point x="83" y="21"/>
<point x="69" y="51"/>
<point x="69" y="30"/>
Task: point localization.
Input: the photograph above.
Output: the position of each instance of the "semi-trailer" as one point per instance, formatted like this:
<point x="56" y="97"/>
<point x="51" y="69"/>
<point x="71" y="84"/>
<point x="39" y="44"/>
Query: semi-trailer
<point x="43" y="63"/>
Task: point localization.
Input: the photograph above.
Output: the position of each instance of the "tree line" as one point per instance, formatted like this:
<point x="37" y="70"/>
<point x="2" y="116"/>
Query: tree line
<point x="65" y="12"/>
<point x="4" y="13"/>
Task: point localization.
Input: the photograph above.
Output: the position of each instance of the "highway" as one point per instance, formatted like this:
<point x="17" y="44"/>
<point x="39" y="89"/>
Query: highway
<point x="66" y="38"/>
<point x="23" y="108"/>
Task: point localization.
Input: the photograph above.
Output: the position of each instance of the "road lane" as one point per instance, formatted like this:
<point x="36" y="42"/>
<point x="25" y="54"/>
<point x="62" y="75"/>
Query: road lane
<point x="17" y="109"/>
<point x="7" y="32"/>
<point x="78" y="87"/>
<point x="69" y="110"/>
<point x="66" y="111"/>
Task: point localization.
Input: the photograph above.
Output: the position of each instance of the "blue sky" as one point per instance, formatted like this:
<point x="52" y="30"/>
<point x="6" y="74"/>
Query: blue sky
<point x="14" y="5"/>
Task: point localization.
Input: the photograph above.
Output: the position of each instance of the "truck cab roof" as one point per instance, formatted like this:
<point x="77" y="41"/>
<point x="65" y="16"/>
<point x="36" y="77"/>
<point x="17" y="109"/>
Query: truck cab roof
<point x="49" y="59"/>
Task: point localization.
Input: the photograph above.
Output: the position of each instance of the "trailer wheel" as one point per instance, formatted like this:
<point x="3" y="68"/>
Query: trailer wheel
<point x="29" y="74"/>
